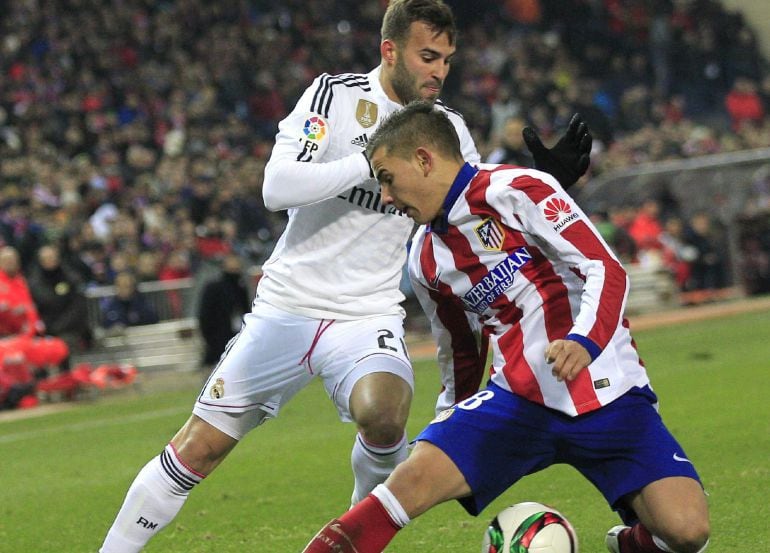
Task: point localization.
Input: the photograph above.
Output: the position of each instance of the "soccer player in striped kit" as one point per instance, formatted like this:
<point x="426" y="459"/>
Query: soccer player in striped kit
<point x="507" y="244"/>
<point x="328" y="304"/>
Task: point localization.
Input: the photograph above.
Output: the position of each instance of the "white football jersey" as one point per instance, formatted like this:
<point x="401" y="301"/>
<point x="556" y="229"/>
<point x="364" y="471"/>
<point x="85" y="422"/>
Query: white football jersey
<point x="516" y="254"/>
<point x="342" y="252"/>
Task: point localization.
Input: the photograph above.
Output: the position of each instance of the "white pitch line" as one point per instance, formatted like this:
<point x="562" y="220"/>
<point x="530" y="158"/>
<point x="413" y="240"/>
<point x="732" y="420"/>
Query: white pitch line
<point x="98" y="423"/>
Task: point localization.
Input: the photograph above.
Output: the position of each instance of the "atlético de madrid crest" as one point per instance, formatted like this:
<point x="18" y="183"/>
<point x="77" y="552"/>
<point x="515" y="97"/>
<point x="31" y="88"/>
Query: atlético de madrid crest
<point x="366" y="113"/>
<point x="491" y="234"/>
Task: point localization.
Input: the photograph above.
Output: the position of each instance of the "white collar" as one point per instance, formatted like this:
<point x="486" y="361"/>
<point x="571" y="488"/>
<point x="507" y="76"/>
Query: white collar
<point x="376" y="85"/>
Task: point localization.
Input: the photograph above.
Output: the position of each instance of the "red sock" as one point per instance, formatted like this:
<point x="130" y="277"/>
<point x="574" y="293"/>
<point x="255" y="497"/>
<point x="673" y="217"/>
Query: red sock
<point x="637" y="539"/>
<point x="366" y="528"/>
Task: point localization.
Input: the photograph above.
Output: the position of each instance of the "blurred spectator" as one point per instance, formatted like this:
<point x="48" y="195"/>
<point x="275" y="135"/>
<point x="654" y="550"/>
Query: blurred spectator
<point x="73" y="255"/>
<point x="512" y="150"/>
<point x="18" y="314"/>
<point x="744" y="104"/>
<point x="177" y="266"/>
<point x="20" y="230"/>
<point x="755" y="267"/>
<point x="615" y="235"/>
<point x="223" y="303"/>
<point x="16" y="381"/>
<point x="582" y="96"/>
<point x="601" y="220"/>
<point x="58" y="296"/>
<point x="621" y="241"/>
<point x="646" y="229"/>
<point x="25" y="353"/>
<point x="753" y="233"/>
<point x="502" y="108"/>
<point x="120" y="261"/>
<point x="677" y="254"/>
<point x="148" y="266"/>
<point x="764" y="92"/>
<point x="128" y="307"/>
<point x="525" y="12"/>
<point x="211" y="241"/>
<point x="709" y="268"/>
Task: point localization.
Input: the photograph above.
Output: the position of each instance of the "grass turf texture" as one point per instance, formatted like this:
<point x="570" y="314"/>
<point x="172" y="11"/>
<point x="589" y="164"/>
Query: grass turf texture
<point x="64" y="475"/>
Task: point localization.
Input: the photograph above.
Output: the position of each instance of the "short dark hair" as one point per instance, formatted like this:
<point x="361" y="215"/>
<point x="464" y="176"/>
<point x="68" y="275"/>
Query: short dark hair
<point x="402" y="13"/>
<point x="417" y="123"/>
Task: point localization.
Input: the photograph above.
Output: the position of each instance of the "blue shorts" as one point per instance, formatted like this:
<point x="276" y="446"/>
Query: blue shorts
<point x="496" y="437"/>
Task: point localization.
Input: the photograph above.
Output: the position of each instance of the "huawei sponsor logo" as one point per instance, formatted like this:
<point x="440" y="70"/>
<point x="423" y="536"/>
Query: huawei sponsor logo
<point x="555" y="209"/>
<point x="559" y="212"/>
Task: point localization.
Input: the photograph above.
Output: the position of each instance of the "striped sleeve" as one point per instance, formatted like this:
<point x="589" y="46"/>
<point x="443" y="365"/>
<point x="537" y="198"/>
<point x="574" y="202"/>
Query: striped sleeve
<point x="572" y="243"/>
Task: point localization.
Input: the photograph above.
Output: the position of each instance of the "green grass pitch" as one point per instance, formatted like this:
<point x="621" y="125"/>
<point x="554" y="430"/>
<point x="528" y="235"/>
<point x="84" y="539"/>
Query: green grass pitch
<point x="64" y="475"/>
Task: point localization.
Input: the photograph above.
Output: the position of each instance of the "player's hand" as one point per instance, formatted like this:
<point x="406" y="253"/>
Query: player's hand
<point x="568" y="160"/>
<point x="568" y="358"/>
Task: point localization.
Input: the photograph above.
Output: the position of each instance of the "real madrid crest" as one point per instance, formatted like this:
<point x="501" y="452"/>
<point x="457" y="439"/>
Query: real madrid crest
<point x="218" y="389"/>
<point x="366" y="113"/>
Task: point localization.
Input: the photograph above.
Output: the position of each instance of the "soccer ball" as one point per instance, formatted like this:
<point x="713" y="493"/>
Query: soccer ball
<point x="530" y="527"/>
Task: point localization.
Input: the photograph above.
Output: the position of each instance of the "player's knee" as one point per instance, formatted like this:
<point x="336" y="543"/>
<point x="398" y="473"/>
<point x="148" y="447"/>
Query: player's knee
<point x="379" y="405"/>
<point x="411" y="483"/>
<point x="201" y="446"/>
<point x="692" y="540"/>
<point x="689" y="536"/>
<point x="383" y="429"/>
<point x="380" y="423"/>
<point x="426" y="478"/>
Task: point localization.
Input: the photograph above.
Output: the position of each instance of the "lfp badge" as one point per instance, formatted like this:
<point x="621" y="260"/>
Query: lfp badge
<point x="315" y="128"/>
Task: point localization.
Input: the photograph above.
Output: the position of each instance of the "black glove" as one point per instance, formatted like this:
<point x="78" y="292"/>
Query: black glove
<point x="568" y="160"/>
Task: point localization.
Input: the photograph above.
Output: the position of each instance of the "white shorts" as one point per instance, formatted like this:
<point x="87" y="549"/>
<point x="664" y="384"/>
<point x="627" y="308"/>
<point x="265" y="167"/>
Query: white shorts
<point x="276" y="354"/>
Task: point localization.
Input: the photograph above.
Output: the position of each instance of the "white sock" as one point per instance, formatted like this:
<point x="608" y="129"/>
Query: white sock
<point x="664" y="546"/>
<point x="373" y="464"/>
<point x="153" y="500"/>
<point x="391" y="504"/>
<point x="703" y="549"/>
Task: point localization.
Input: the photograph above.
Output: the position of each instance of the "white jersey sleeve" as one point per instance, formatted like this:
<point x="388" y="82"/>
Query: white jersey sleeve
<point x="304" y="136"/>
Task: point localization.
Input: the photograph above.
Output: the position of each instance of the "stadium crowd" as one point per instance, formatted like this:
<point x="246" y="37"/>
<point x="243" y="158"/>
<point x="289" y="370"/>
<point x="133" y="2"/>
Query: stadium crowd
<point x="133" y="135"/>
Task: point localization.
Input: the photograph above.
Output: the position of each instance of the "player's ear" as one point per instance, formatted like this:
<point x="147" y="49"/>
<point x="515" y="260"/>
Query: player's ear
<point x="424" y="160"/>
<point x="388" y="51"/>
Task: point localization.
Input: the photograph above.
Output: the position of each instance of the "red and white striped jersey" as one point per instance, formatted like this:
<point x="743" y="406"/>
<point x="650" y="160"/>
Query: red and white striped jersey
<point x="513" y="256"/>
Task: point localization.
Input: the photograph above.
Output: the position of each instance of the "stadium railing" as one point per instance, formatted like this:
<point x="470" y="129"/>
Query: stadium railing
<point x="725" y="185"/>
<point x="170" y="299"/>
<point x="173" y="343"/>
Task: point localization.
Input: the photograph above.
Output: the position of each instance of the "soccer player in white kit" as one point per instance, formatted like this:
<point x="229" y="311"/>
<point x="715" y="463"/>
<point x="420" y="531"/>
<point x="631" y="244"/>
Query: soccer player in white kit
<point x="328" y="304"/>
<point x="507" y="244"/>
